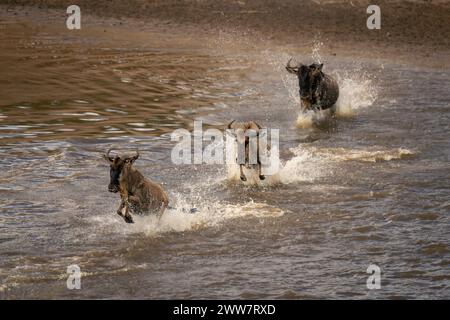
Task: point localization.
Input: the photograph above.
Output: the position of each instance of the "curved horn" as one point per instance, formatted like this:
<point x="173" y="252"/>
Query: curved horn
<point x="131" y="159"/>
<point x="230" y="130"/>
<point x="258" y="125"/>
<point x="289" y="63"/>
<point x="107" y="156"/>
<point x="137" y="154"/>
<point x="290" y="68"/>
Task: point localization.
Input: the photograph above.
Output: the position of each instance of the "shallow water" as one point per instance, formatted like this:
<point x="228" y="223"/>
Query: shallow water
<point x="369" y="186"/>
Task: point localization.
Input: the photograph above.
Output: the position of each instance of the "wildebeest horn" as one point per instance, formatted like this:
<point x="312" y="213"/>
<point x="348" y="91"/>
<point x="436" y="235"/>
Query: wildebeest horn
<point x="108" y="157"/>
<point x="290" y="68"/>
<point x="230" y="130"/>
<point x="136" y="155"/>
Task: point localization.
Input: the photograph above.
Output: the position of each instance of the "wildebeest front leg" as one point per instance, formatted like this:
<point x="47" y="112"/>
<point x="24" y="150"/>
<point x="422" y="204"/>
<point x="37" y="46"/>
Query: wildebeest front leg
<point x="121" y="206"/>
<point x="127" y="216"/>
<point x="305" y="105"/>
<point x="161" y="211"/>
<point x="243" y="177"/>
<point x="261" y="176"/>
<point x="124" y="204"/>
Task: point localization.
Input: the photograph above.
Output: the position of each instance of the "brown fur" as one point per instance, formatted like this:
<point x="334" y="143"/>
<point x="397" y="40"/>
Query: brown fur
<point x="137" y="192"/>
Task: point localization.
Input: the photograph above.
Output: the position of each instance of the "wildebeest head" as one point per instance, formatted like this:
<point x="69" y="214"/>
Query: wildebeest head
<point x="244" y="130"/>
<point x="309" y="78"/>
<point x="117" y="164"/>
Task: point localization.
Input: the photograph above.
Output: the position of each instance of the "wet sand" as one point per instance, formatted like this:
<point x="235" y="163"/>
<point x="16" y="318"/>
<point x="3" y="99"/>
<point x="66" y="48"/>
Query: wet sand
<point x="413" y="32"/>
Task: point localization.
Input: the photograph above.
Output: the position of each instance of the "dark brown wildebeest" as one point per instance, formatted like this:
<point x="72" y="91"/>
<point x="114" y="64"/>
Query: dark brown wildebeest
<point x="317" y="89"/>
<point x="242" y="133"/>
<point x="143" y="195"/>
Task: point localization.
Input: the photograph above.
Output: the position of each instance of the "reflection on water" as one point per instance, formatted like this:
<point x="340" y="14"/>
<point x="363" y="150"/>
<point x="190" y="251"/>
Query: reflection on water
<point x="369" y="186"/>
<point x="103" y="90"/>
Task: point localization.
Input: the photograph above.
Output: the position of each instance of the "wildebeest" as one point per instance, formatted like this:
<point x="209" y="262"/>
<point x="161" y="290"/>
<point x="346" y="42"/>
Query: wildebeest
<point x="242" y="132"/>
<point x="143" y="195"/>
<point x="317" y="89"/>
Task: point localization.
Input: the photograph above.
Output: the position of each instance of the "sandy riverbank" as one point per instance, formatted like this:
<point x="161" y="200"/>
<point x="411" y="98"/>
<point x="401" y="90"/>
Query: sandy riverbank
<point x="414" y="32"/>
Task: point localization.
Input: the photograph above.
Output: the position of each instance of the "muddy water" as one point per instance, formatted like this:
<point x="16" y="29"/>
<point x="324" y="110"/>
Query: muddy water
<point x="370" y="186"/>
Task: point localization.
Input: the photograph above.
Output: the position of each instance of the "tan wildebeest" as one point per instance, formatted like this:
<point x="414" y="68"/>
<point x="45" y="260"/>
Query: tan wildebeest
<point x="242" y="133"/>
<point x="137" y="192"/>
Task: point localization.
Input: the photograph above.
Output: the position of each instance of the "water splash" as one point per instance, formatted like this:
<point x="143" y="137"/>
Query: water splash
<point x="271" y="173"/>
<point x="374" y="154"/>
<point x="304" y="166"/>
<point x="317" y="46"/>
<point x="233" y="175"/>
<point x="310" y="118"/>
<point x="356" y="91"/>
<point x="209" y="214"/>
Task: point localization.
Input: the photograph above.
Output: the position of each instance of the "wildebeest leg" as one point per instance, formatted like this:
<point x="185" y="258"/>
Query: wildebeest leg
<point x="261" y="176"/>
<point x="124" y="196"/>
<point x="127" y="216"/>
<point x="160" y="213"/>
<point x="121" y="206"/>
<point x="243" y="177"/>
<point x="305" y="105"/>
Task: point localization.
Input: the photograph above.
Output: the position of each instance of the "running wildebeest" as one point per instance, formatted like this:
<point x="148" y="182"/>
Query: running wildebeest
<point x="317" y="89"/>
<point x="243" y="132"/>
<point x="143" y="195"/>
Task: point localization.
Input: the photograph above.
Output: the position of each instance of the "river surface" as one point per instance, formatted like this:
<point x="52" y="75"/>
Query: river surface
<point x="369" y="186"/>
